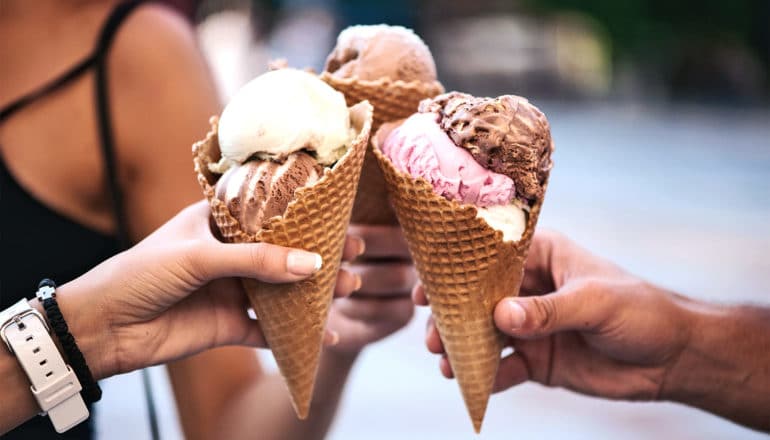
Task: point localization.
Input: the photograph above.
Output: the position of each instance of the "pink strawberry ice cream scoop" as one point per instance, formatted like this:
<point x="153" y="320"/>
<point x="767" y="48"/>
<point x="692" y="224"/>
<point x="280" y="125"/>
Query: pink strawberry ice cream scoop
<point x="422" y="149"/>
<point x="492" y="153"/>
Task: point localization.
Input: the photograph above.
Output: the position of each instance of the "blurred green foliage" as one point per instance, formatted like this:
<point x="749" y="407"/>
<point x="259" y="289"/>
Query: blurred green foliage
<point x="646" y="24"/>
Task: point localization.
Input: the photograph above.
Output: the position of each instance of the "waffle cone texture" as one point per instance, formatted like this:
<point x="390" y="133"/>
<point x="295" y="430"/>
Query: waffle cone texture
<point x="392" y="100"/>
<point x="466" y="269"/>
<point x="293" y="316"/>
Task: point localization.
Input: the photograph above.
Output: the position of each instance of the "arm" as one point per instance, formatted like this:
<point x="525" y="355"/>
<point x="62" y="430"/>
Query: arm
<point x="126" y="313"/>
<point x="16" y="385"/>
<point x="725" y="367"/>
<point x="586" y="325"/>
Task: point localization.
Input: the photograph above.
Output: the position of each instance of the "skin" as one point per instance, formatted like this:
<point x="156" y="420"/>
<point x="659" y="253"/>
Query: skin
<point x="127" y="312"/>
<point x="586" y="325"/>
<point x="161" y="98"/>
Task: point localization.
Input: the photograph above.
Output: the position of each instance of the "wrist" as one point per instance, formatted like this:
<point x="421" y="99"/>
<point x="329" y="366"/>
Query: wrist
<point x="88" y="328"/>
<point x="698" y="368"/>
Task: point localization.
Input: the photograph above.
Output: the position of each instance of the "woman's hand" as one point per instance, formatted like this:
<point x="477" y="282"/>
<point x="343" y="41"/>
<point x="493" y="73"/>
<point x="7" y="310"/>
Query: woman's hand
<point x="584" y="324"/>
<point x="176" y="293"/>
<point x="381" y="305"/>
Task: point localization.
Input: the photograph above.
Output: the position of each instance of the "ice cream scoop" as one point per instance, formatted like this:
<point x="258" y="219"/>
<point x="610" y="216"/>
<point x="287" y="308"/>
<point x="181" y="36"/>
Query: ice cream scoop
<point x="493" y="153"/>
<point x="380" y="51"/>
<point x="420" y="148"/>
<point x="507" y="135"/>
<point x="509" y="219"/>
<point x="282" y="112"/>
<point x="259" y="190"/>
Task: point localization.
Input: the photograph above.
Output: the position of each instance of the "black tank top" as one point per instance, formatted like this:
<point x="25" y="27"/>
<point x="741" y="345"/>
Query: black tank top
<point x="37" y="242"/>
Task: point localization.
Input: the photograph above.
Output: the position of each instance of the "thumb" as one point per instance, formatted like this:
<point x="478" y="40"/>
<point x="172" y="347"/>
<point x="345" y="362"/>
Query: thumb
<point x="576" y="306"/>
<point x="263" y="261"/>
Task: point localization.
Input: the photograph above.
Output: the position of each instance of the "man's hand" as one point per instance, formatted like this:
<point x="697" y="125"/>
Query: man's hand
<point x="584" y="324"/>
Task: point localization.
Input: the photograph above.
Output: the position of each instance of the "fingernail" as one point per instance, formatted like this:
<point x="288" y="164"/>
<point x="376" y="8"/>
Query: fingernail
<point x="516" y="314"/>
<point x="332" y="338"/>
<point x="360" y="246"/>
<point x="303" y="263"/>
<point x="358" y="283"/>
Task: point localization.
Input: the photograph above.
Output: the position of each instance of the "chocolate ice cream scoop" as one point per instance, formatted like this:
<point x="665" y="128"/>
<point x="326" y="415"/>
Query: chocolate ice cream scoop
<point x="259" y="190"/>
<point x="507" y="135"/>
<point x="380" y="51"/>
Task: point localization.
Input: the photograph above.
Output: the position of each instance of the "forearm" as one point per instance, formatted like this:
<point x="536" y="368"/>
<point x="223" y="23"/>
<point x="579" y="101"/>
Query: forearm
<point x="18" y="405"/>
<point x="265" y="408"/>
<point x="725" y="368"/>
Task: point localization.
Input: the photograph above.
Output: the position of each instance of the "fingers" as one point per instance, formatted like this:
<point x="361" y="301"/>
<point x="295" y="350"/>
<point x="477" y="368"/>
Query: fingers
<point x="584" y="305"/>
<point x="539" y="268"/>
<point x="218" y="311"/>
<point x="385" y="278"/>
<point x="446" y="368"/>
<point x="512" y="371"/>
<point x="554" y="261"/>
<point x="381" y="241"/>
<point x="418" y="295"/>
<point x="433" y="339"/>
<point x="331" y="338"/>
<point x="347" y="283"/>
<point x="361" y="321"/>
<point x="263" y="261"/>
<point x="354" y="246"/>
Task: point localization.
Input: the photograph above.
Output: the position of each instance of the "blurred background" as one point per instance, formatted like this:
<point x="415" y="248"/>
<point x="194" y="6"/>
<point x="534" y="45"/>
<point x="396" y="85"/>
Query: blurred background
<point x="660" y="112"/>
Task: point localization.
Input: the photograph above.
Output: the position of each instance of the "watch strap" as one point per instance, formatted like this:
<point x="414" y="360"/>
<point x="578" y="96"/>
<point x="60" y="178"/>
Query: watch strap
<point x="54" y="385"/>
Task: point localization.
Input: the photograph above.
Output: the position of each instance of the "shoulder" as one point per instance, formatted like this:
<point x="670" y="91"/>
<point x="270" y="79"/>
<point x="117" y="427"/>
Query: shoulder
<point x="154" y="39"/>
<point x="161" y="88"/>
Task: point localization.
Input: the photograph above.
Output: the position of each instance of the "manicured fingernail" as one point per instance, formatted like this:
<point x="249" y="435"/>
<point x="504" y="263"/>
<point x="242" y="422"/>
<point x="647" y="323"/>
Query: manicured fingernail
<point x="303" y="263"/>
<point x="332" y="338"/>
<point x="358" y="283"/>
<point x="360" y="246"/>
<point x="516" y="314"/>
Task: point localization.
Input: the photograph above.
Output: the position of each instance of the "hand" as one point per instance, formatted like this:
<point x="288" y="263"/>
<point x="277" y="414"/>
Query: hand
<point x="174" y="294"/>
<point x="381" y="305"/>
<point x="584" y="324"/>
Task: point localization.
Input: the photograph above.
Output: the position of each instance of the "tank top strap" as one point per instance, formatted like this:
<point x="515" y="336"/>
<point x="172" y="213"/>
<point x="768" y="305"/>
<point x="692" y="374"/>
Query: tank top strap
<point x="107" y="140"/>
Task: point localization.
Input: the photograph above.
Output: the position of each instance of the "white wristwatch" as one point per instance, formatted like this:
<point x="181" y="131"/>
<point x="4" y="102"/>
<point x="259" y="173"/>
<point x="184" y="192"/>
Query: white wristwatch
<point x="54" y="384"/>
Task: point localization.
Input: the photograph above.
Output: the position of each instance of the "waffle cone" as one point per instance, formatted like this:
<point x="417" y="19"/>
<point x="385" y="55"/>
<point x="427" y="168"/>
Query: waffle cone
<point x="392" y="100"/>
<point x="466" y="269"/>
<point x="293" y="316"/>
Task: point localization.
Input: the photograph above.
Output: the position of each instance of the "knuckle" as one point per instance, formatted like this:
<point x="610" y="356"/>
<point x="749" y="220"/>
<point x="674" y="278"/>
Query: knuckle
<point x="592" y="286"/>
<point x="259" y="255"/>
<point x="194" y="259"/>
<point x="546" y="315"/>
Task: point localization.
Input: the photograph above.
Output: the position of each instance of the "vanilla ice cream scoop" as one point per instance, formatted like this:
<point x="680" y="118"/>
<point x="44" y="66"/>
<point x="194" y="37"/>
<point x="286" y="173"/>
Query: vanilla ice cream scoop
<point x="282" y="112"/>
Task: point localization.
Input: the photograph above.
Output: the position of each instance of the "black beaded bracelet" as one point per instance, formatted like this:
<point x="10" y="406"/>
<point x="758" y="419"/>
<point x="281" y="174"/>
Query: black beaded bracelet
<point x="91" y="391"/>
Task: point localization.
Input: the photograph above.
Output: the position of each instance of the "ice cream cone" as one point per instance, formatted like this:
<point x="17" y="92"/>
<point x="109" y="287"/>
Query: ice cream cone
<point x="293" y="316"/>
<point x="392" y="100"/>
<point x="466" y="269"/>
